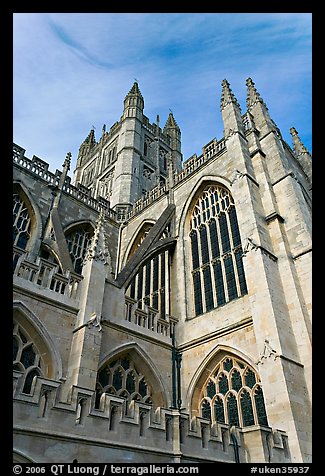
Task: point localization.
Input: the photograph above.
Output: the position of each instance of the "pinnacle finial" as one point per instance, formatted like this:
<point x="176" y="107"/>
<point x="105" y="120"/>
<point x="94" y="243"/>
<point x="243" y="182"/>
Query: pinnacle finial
<point x="171" y="123"/>
<point x="227" y="96"/>
<point x="67" y="161"/>
<point x="298" y="147"/>
<point x="135" y="89"/>
<point x="253" y="96"/>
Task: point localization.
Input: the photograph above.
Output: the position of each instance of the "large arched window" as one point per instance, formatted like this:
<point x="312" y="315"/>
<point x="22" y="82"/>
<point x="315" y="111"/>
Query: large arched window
<point x="21" y="222"/>
<point x="121" y="377"/>
<point x="233" y="394"/>
<point x="217" y="267"/>
<point x="26" y="357"/>
<point x="78" y="239"/>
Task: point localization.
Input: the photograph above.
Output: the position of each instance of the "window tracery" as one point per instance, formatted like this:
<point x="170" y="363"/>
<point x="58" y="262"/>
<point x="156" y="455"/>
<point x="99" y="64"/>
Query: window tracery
<point x="120" y="377"/>
<point x="26" y="358"/>
<point x="217" y="268"/>
<point x="21" y="222"/>
<point x="78" y="239"/>
<point x="233" y="394"/>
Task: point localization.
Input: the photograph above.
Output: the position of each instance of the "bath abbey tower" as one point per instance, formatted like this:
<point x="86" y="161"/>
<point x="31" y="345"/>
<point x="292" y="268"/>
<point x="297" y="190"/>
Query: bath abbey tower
<point x="162" y="307"/>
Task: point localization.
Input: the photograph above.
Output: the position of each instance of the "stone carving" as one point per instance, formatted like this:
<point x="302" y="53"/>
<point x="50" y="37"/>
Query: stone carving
<point x="249" y="246"/>
<point x="94" y="321"/>
<point x="267" y="352"/>
<point x="237" y="175"/>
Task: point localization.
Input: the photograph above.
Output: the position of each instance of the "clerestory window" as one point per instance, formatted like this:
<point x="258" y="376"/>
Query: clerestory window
<point x="233" y="395"/>
<point x="217" y="268"/>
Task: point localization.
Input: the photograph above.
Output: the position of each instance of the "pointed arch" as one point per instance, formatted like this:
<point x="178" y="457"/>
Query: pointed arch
<point x="35" y="217"/>
<point x="221" y="379"/>
<point x="137" y="237"/>
<point x="210" y="232"/>
<point x="78" y="235"/>
<point x="41" y="338"/>
<point x="144" y="365"/>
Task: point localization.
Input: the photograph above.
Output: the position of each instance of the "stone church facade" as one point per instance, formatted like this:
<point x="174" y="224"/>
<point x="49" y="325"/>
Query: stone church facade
<point x="162" y="309"/>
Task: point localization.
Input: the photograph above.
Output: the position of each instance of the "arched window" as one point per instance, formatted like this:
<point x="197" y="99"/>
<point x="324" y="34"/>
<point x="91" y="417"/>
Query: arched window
<point x="217" y="268"/>
<point x="26" y="357"/>
<point x="234" y="392"/>
<point x="121" y="377"/>
<point x="21" y="222"/>
<point x="78" y="239"/>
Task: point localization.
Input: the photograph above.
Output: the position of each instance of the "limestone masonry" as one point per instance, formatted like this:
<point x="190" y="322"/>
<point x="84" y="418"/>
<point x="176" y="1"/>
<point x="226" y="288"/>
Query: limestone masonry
<point x="162" y="309"/>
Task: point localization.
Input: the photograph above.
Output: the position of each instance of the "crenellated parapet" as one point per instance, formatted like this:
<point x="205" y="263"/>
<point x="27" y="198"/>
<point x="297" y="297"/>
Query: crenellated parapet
<point x="134" y="428"/>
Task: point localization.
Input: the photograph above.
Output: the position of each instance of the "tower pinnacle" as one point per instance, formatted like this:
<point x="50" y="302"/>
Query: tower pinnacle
<point x="298" y="147"/>
<point x="227" y="96"/>
<point x="253" y="96"/>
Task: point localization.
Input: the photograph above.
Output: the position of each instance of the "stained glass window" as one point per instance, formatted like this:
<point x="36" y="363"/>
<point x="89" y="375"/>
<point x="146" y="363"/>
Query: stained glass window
<point x="220" y="290"/>
<point x="208" y="289"/>
<point x="236" y="382"/>
<point x="21" y="222"/>
<point x="197" y="293"/>
<point x="250" y="379"/>
<point x="239" y="383"/>
<point x="219" y="410"/>
<point x="211" y="389"/>
<point x="223" y="384"/>
<point x="216" y="247"/>
<point x="247" y="409"/>
<point x="227" y="365"/>
<point x="195" y="250"/>
<point x="117" y="379"/>
<point x="232" y="409"/>
<point x="260" y="407"/>
<point x="206" y="410"/>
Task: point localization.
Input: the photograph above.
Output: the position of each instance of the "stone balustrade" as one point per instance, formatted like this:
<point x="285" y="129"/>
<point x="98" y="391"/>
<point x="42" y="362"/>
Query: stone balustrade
<point x="45" y="274"/>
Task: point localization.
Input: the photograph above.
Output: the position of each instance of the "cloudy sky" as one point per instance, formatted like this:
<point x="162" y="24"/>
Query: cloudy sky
<point x="73" y="70"/>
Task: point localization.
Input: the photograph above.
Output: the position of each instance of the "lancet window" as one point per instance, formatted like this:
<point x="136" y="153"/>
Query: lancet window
<point x="21" y="222"/>
<point x="26" y="358"/>
<point x="121" y="377"/>
<point x="78" y="239"/>
<point x="217" y="268"/>
<point x="233" y="394"/>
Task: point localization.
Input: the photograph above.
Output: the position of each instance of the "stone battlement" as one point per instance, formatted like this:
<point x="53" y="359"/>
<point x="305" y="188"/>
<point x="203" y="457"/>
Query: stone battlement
<point x="165" y="433"/>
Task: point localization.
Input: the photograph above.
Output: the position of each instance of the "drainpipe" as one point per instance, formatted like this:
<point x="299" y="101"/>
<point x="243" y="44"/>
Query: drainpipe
<point x="235" y="443"/>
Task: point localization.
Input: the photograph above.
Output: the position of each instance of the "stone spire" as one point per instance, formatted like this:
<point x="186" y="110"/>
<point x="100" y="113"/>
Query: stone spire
<point x="133" y="102"/>
<point x="230" y="111"/>
<point x="227" y="96"/>
<point x="171" y="123"/>
<point x="135" y="90"/>
<point x="173" y="131"/>
<point x="253" y="96"/>
<point x="298" y="146"/>
<point x="257" y="107"/>
<point x="301" y="153"/>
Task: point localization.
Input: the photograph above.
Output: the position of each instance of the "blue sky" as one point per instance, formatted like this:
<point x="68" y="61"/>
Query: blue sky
<point x="73" y="70"/>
